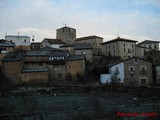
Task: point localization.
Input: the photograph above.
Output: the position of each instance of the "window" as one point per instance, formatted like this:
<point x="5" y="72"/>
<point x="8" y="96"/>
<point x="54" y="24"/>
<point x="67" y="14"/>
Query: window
<point x="132" y="50"/>
<point x="106" y="47"/>
<point x="131" y="70"/>
<point x="143" y="81"/>
<point x="113" y="46"/>
<point x="109" y="46"/>
<point x="24" y="40"/>
<point x="59" y="75"/>
<point x="129" y="51"/>
<point x="114" y="50"/>
<point x="69" y="66"/>
<point x="150" y="47"/>
<point x="124" y="50"/>
<point x="143" y="69"/>
<point x="124" y="45"/>
<point x="155" y="46"/>
<point x="135" y="61"/>
<point x="132" y="45"/>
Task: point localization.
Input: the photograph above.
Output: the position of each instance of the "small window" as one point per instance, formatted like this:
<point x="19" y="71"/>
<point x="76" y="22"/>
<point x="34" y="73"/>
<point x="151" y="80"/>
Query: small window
<point x="59" y="75"/>
<point x="124" y="50"/>
<point x="132" y="45"/>
<point x="150" y="47"/>
<point x="155" y="46"/>
<point x="24" y="40"/>
<point x="132" y="50"/>
<point x="69" y="66"/>
<point x="143" y="81"/>
<point x="124" y="45"/>
<point x="136" y="61"/>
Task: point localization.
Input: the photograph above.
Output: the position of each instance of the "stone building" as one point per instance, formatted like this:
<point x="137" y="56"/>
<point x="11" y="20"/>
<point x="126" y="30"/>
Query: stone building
<point x="124" y="48"/>
<point x="95" y="41"/>
<point x="36" y="46"/>
<point x="12" y="65"/>
<point x="146" y="46"/>
<point x="66" y="34"/>
<point x="21" y="42"/>
<point x="54" y="43"/>
<point x="5" y="47"/>
<point x="138" y="72"/>
<point x="75" y="65"/>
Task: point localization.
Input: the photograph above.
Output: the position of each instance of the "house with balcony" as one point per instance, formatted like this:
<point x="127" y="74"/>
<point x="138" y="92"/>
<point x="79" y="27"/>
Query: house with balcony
<point x="138" y="72"/>
<point x="132" y="72"/>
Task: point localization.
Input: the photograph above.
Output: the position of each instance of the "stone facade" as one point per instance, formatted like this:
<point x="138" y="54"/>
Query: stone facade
<point x="66" y="34"/>
<point x="138" y="72"/>
<point x="95" y="41"/>
<point x="75" y="65"/>
<point x="124" y="48"/>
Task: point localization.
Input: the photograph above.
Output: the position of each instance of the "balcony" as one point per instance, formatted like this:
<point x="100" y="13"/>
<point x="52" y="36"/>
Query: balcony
<point x="131" y="72"/>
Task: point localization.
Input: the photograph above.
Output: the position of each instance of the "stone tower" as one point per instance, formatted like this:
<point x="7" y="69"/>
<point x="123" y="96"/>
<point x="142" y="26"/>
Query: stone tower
<point x="66" y="34"/>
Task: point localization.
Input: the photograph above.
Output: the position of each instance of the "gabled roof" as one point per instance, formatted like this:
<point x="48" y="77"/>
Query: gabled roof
<point x="157" y="51"/>
<point x="6" y="43"/>
<point x="136" y="58"/>
<point x="88" y="37"/>
<point x="148" y="42"/>
<point x="119" y="39"/>
<point x="66" y="27"/>
<point x="54" y="41"/>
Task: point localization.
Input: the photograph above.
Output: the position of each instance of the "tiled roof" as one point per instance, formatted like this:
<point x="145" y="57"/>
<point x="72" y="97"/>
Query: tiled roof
<point x="35" y="70"/>
<point x="81" y="46"/>
<point x="88" y="37"/>
<point x="54" y="41"/>
<point x="148" y="42"/>
<point x="36" y="53"/>
<point x="118" y="39"/>
<point x="75" y="57"/>
<point x="6" y="43"/>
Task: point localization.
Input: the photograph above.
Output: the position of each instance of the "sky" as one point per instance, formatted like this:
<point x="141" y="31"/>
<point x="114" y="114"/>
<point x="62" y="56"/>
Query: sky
<point x="130" y="19"/>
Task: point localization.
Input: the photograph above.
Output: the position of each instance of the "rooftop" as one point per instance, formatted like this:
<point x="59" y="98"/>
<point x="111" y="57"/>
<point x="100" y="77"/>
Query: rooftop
<point x="35" y="70"/>
<point x="148" y="42"/>
<point x="119" y="39"/>
<point x="88" y="37"/>
<point x="17" y="36"/>
<point x="68" y="45"/>
<point x="13" y="56"/>
<point x="54" y="41"/>
<point x="6" y="43"/>
<point x="66" y="27"/>
<point x="80" y="46"/>
<point x="36" y="53"/>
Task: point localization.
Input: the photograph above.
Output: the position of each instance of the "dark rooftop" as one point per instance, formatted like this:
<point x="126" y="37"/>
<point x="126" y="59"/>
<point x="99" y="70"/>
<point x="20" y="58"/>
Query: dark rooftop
<point x="88" y="37"/>
<point x="13" y="56"/>
<point x="35" y="70"/>
<point x="6" y="43"/>
<point x="80" y="46"/>
<point x="148" y="42"/>
<point x="67" y="45"/>
<point x="118" y="39"/>
<point x="54" y="41"/>
<point x="36" y="53"/>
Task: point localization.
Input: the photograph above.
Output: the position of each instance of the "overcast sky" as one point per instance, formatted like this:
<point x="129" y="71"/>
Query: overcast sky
<point x="132" y="19"/>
